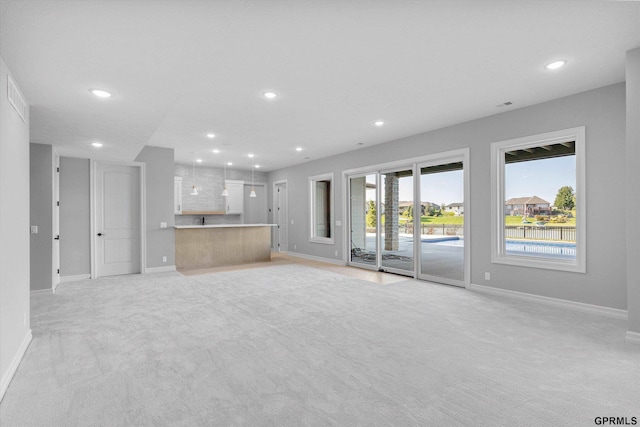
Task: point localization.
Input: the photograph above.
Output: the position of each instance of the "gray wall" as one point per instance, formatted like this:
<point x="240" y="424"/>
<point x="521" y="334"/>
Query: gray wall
<point x="602" y="111"/>
<point x="75" y="226"/>
<point x="41" y="172"/>
<point x="14" y="232"/>
<point x="159" y="202"/>
<point x="632" y="194"/>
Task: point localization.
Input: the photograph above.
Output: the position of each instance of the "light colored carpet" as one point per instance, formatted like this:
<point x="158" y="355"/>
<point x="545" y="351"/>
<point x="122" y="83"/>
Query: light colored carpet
<point x="291" y="345"/>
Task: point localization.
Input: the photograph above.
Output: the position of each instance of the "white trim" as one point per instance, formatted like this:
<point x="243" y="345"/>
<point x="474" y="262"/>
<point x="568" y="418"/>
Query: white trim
<point x="632" y="337"/>
<point x="498" y="149"/>
<point x="276" y="235"/>
<point x="316" y="258"/>
<point x="41" y="291"/>
<point x="312" y="209"/>
<point x="75" y="278"/>
<point x="553" y="302"/>
<point x="13" y="366"/>
<point x="164" y="269"/>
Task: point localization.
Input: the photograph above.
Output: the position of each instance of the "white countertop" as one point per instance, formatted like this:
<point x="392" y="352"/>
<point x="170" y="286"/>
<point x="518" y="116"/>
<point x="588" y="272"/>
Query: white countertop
<point x="224" y="225"/>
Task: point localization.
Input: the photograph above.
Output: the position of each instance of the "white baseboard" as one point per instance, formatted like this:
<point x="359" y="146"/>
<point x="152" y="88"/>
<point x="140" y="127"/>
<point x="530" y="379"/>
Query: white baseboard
<point x="76" y="278"/>
<point x="633" y="337"/>
<point x="316" y="258"/>
<point x="41" y="291"/>
<point x="555" y="302"/>
<point x="163" y="269"/>
<point x="13" y="367"/>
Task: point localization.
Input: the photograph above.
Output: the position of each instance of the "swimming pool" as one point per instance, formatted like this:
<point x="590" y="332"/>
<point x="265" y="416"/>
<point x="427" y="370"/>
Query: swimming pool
<point x="556" y="250"/>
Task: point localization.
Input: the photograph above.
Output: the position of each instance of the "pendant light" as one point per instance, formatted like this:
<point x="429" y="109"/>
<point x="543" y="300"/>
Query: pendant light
<point x="253" y="189"/>
<point x="194" y="189"/>
<point x="225" y="192"/>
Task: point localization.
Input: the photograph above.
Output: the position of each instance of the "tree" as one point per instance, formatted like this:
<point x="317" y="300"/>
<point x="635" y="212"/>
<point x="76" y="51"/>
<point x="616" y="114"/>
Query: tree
<point x="409" y="212"/>
<point x="565" y="198"/>
<point x="371" y="214"/>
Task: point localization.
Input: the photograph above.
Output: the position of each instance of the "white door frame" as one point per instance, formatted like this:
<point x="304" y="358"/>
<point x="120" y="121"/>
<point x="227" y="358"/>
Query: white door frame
<point x="286" y="213"/>
<point x="55" y="217"/>
<point x="143" y="212"/>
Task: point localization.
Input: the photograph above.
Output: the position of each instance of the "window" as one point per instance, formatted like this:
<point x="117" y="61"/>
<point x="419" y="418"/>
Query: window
<point x="321" y="196"/>
<point x="538" y="201"/>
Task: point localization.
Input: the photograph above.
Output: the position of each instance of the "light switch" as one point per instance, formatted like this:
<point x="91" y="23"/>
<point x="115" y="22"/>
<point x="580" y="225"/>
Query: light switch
<point x="34" y="229"/>
<point x="338" y="223"/>
<point x="291" y="222"/>
<point x="163" y="225"/>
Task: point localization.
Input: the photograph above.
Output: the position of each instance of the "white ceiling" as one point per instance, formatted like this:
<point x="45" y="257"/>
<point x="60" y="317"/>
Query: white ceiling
<point x="180" y="69"/>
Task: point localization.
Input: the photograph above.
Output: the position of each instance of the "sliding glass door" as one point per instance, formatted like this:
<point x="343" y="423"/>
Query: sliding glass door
<point x="411" y="220"/>
<point x="442" y="237"/>
<point x="396" y="225"/>
<point x="363" y="209"/>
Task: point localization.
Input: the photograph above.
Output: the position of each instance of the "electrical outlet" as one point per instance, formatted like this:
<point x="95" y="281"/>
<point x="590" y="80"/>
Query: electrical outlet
<point x="291" y="222"/>
<point x="338" y="223"/>
<point x="34" y="229"/>
<point x="163" y="225"/>
<point x="336" y="253"/>
<point x="294" y="247"/>
<point x="164" y="259"/>
<point x="487" y="275"/>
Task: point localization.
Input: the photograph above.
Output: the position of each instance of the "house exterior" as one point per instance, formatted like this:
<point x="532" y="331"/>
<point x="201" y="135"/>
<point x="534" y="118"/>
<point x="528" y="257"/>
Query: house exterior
<point x="531" y="206"/>
<point x="456" y="208"/>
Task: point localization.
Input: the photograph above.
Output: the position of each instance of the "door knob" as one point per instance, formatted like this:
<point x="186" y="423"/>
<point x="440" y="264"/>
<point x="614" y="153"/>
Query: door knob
<point x="99" y="234"/>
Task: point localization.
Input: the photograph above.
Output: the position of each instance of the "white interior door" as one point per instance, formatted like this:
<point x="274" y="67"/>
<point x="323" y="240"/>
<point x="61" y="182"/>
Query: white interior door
<point x="280" y="215"/>
<point x="117" y="219"/>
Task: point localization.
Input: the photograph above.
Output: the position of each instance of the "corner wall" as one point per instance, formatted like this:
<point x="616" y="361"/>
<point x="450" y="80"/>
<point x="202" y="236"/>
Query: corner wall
<point x="159" y="200"/>
<point x="632" y="195"/>
<point x="602" y="111"/>
<point x="15" y="333"/>
<point x="41" y="173"/>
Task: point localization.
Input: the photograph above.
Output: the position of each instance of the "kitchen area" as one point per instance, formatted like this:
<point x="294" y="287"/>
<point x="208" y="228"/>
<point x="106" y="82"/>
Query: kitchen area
<point x="220" y="217"/>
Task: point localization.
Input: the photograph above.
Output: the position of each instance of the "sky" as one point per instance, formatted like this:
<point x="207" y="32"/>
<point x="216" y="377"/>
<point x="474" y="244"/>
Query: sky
<point x="542" y="178"/>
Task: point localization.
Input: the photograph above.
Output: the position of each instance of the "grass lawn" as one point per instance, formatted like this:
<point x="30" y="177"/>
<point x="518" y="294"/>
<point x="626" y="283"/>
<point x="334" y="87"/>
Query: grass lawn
<point x="517" y="220"/>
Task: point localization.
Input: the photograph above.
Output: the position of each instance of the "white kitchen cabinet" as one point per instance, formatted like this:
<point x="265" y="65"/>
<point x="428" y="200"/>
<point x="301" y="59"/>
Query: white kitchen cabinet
<point x="235" y="199"/>
<point x="177" y="195"/>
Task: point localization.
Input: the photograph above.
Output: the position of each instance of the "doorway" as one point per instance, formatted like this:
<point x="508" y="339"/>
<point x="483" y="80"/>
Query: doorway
<point x="118" y="212"/>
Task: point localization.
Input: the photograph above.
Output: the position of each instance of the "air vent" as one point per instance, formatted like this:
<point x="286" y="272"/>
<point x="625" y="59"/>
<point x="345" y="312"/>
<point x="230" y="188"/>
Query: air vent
<point x="16" y="99"/>
<point x="505" y="104"/>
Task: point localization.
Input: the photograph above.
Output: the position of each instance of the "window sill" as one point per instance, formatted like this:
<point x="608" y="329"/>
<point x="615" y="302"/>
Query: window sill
<point x="543" y="263"/>
<point x="323" y="240"/>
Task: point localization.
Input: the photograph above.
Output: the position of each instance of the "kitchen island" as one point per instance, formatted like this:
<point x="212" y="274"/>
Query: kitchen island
<point x="206" y="246"/>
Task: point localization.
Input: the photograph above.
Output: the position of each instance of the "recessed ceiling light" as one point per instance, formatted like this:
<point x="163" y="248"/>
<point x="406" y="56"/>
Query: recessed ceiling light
<point x="229" y="164"/>
<point x="97" y="144"/>
<point x="199" y="160"/>
<point x="257" y="166"/>
<point x="250" y="155"/>
<point x="216" y="151"/>
<point x="211" y="135"/>
<point x="270" y="95"/>
<point x="298" y="148"/>
<point x="378" y="123"/>
<point x="100" y="93"/>
<point x="555" y="65"/>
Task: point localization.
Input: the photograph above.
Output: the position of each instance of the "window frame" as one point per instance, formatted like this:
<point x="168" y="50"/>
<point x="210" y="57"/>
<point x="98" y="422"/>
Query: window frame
<point x="313" y="238"/>
<point x="498" y="150"/>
